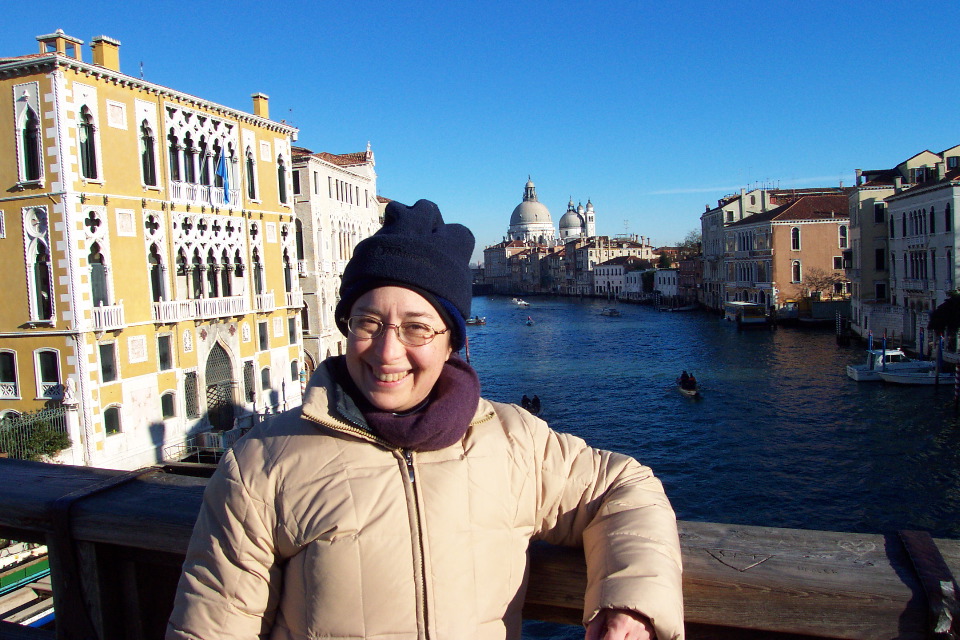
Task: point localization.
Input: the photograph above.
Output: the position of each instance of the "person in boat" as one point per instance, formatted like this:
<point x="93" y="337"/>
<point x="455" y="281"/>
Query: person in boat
<point x="535" y="405"/>
<point x="397" y="502"/>
<point x="684" y="377"/>
<point x="525" y="402"/>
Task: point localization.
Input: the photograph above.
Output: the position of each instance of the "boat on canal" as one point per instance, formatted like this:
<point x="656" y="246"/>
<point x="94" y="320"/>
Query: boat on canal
<point x="893" y="361"/>
<point x="520" y="302"/>
<point x="917" y="377"/>
<point x="476" y="320"/>
<point x="747" y="315"/>
<point x="611" y="312"/>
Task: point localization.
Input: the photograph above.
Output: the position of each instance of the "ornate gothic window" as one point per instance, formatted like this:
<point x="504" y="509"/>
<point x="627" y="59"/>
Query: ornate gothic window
<point x="204" y="162"/>
<point x="189" y="169"/>
<point x="251" y="175"/>
<point x="282" y="179"/>
<point x="156" y="273"/>
<point x="148" y="158"/>
<point x="98" y="276"/>
<point x="43" y="290"/>
<point x="32" y="145"/>
<point x="174" y="154"/>
<point x="88" y="144"/>
<point x="258" y="283"/>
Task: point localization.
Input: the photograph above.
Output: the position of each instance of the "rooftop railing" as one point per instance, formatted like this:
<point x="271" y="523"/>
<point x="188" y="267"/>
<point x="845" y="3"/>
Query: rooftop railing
<point x="117" y="541"/>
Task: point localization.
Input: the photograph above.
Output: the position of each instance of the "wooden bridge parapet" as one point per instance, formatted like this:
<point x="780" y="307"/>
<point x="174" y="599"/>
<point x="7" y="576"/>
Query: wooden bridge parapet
<point x="117" y="560"/>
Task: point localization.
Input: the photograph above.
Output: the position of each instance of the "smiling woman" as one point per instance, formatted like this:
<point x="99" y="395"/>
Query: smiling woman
<point x="398" y="502"/>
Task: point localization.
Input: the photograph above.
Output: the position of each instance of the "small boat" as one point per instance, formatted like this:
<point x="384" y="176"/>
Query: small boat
<point x="520" y="302"/>
<point x="611" y="312"/>
<point x="886" y="360"/>
<point x="916" y="377"/>
<point x="529" y="321"/>
<point x="476" y="320"/>
<point x="691" y="390"/>
<point x="689" y="307"/>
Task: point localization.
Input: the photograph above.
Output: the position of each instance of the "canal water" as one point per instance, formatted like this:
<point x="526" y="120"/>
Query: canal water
<point x="780" y="437"/>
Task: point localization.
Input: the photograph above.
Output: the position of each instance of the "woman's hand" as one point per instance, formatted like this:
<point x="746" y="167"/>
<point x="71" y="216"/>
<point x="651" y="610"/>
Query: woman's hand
<point x="620" y="624"/>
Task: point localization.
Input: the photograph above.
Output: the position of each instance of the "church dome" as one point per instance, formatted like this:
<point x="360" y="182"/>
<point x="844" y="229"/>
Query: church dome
<point x="570" y="220"/>
<point x="530" y="211"/>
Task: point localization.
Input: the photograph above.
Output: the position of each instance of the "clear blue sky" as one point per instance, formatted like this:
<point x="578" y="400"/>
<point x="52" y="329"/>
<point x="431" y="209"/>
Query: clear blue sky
<point x="650" y="109"/>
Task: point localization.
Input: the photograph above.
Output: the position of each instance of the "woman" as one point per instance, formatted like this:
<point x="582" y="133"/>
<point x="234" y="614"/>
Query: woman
<point x="397" y="503"/>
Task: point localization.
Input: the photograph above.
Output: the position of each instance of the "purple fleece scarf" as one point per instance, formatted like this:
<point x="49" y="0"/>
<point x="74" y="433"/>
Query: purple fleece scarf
<point x="440" y="422"/>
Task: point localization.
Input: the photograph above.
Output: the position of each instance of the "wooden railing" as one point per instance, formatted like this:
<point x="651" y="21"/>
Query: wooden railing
<point x="116" y="554"/>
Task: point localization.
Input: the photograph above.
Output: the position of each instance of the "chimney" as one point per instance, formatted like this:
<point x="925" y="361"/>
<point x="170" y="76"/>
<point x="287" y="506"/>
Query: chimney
<point x="941" y="170"/>
<point x="897" y="184"/>
<point x="261" y="105"/>
<point x="859" y="177"/>
<point x="61" y="43"/>
<point x="106" y="52"/>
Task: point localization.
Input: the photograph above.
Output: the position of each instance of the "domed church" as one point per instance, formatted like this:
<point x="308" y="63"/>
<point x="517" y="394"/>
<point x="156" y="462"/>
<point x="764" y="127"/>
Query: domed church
<point x="531" y="221"/>
<point x="578" y="223"/>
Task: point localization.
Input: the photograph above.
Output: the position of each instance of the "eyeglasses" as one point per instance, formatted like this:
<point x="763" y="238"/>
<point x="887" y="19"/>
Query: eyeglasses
<point x="412" y="334"/>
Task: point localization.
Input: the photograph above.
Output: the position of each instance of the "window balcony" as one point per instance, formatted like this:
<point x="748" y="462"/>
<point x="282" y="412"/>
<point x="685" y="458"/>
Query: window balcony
<point x="302" y="268"/>
<point x="169" y="311"/>
<point x="295" y="299"/>
<point x="8" y="390"/>
<point x="914" y="284"/>
<point x="201" y="194"/>
<point x="264" y="302"/>
<point x="222" y="307"/>
<point x="108" y="317"/>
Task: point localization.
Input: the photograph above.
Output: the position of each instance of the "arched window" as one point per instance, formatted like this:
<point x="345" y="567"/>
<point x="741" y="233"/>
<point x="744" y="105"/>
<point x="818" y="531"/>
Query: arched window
<point x="189" y="170"/>
<point x="947" y="218"/>
<point x="197" y="274"/>
<point x="797" y="274"/>
<point x="156" y="274"/>
<point x="843" y="236"/>
<point x="282" y="179"/>
<point x="257" y="273"/>
<point x="203" y="161"/>
<point x="795" y="238"/>
<point x="213" y="288"/>
<point x="98" y="276"/>
<point x="88" y="144"/>
<point x="933" y="221"/>
<point x="148" y="159"/>
<point x="111" y="420"/>
<point x="8" y="375"/>
<point x="174" y="154"/>
<point x="31" y="146"/>
<point x="287" y="272"/>
<point x="217" y="176"/>
<point x="251" y="175"/>
<point x="226" y="288"/>
<point x="43" y="291"/>
<point x="168" y="405"/>
<point x="295" y="371"/>
<point x="47" y="367"/>
<point x="265" y="379"/>
<point x="299" y="237"/>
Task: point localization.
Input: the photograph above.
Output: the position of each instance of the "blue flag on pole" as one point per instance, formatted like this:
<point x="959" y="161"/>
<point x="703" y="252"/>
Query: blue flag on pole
<point x="222" y="172"/>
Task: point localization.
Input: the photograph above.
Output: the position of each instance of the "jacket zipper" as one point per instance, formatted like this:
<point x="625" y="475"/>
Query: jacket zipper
<point x="421" y="570"/>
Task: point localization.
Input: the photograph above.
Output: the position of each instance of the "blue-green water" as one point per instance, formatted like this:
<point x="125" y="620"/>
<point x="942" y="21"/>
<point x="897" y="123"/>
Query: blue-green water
<point x="780" y="436"/>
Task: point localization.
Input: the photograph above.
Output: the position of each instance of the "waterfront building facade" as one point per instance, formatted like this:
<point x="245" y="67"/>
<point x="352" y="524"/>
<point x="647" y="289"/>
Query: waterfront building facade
<point x="666" y="284"/>
<point x="729" y="210"/>
<point x="148" y="242"/>
<point x="873" y="305"/>
<point x="496" y="265"/>
<point x="790" y="252"/>
<point x="923" y="250"/>
<point x="335" y="197"/>
<point x="611" y="277"/>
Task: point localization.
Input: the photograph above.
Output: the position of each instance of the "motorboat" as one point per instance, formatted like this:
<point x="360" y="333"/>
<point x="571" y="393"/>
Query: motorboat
<point x="476" y="320"/>
<point x="688" y="387"/>
<point x="917" y="377"/>
<point x="520" y="302"/>
<point x="611" y="312"/>
<point x="886" y="360"/>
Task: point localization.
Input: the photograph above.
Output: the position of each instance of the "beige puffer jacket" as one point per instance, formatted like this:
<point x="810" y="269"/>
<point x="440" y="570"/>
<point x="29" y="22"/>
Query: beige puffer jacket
<point x="311" y="528"/>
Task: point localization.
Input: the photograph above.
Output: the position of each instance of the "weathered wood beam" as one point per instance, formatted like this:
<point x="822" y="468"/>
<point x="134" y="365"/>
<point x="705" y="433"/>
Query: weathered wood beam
<point x="786" y="581"/>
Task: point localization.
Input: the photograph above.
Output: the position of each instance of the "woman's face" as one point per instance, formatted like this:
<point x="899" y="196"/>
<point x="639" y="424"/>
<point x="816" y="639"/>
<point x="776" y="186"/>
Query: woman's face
<point x="391" y="375"/>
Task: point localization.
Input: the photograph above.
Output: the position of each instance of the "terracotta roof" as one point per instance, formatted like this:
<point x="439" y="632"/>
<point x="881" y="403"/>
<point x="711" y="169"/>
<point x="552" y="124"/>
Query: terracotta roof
<point x="341" y="160"/>
<point x="804" y="208"/>
<point x="383" y="200"/>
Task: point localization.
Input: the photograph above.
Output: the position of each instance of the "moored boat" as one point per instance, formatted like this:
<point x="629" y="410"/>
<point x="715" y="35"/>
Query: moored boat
<point x="477" y="320"/>
<point x="610" y="311"/>
<point x="917" y="377"/>
<point x="886" y="360"/>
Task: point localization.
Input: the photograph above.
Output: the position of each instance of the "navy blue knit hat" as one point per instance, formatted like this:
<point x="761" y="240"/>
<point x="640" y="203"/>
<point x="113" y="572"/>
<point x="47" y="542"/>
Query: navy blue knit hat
<point x="417" y="250"/>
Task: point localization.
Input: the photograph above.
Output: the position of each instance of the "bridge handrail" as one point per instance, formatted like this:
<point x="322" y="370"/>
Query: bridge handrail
<point x="742" y="581"/>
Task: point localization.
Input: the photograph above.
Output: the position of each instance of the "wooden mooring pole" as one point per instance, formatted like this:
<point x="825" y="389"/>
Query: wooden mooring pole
<point x="127" y="541"/>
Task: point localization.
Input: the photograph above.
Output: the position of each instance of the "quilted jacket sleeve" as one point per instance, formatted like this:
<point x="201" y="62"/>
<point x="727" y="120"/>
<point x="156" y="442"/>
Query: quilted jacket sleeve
<point x="616" y="508"/>
<point x="230" y="584"/>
